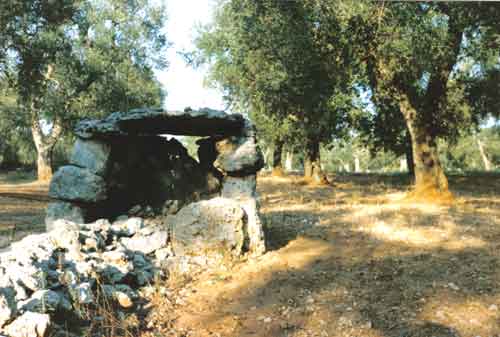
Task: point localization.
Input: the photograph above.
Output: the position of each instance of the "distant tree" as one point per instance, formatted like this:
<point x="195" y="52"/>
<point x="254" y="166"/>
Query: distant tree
<point x="473" y="151"/>
<point x="16" y="143"/>
<point x="72" y="58"/>
<point x="283" y="59"/>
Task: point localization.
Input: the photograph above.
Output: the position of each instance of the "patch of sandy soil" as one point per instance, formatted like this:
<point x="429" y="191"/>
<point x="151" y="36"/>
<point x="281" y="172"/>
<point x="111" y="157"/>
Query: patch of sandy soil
<point x="355" y="259"/>
<point x="22" y="208"/>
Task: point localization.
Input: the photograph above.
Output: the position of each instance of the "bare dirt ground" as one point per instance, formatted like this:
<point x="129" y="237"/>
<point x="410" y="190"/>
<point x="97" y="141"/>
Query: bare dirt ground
<point x="356" y="260"/>
<point x="350" y="260"/>
<point x="22" y="206"/>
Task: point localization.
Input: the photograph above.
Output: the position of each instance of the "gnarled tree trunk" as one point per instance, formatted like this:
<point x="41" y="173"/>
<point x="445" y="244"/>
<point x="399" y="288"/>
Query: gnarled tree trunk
<point x="430" y="180"/>
<point x="45" y="147"/>
<point x="312" y="163"/>
<point x="277" y="155"/>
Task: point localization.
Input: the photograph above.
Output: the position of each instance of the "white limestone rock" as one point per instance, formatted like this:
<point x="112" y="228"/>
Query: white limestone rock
<point x="30" y="324"/>
<point x="146" y="244"/>
<point x="215" y="226"/>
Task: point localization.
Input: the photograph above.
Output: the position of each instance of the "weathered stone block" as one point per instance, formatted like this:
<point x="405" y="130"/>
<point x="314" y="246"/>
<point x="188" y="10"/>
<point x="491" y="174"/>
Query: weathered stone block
<point x="255" y="231"/>
<point x="239" y="187"/>
<point x="63" y="210"/>
<point x="243" y="190"/>
<point x="215" y="226"/>
<point x="91" y="154"/>
<point x="73" y="183"/>
<point x="238" y="156"/>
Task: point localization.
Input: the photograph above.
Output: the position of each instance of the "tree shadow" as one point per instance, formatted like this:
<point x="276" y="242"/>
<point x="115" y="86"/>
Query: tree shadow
<point x="331" y="273"/>
<point x="380" y="295"/>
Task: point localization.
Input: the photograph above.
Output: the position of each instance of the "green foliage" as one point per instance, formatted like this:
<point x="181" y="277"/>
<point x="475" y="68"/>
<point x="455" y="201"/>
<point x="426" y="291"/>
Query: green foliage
<point x="341" y="154"/>
<point x="465" y="155"/>
<point x="65" y="60"/>
<point x="189" y="143"/>
<point x="442" y="58"/>
<point x="283" y="61"/>
<point x="461" y="155"/>
<point x="16" y="144"/>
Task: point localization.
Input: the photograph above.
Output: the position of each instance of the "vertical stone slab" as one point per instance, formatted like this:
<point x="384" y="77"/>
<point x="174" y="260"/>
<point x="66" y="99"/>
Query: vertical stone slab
<point x="243" y="190"/>
<point x="91" y="154"/>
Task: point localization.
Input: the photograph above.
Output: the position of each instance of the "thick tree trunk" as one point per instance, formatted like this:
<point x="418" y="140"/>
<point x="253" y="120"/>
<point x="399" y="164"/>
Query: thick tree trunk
<point x="486" y="162"/>
<point x="277" y="155"/>
<point x="312" y="164"/>
<point x="430" y="180"/>
<point x="45" y="146"/>
<point x="44" y="163"/>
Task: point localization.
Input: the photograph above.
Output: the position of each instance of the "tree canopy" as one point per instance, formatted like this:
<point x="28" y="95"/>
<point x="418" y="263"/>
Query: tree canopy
<point x="74" y="58"/>
<point x="285" y="60"/>
<point x="430" y="69"/>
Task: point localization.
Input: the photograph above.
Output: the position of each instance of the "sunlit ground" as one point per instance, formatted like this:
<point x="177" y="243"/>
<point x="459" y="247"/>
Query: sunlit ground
<point x="357" y="259"/>
<point x="22" y="205"/>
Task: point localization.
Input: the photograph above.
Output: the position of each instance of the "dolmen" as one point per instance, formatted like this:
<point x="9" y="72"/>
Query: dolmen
<point x="130" y="161"/>
<point x="132" y="208"/>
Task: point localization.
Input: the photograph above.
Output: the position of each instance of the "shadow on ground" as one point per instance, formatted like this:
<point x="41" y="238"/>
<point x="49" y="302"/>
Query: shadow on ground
<point x="353" y="261"/>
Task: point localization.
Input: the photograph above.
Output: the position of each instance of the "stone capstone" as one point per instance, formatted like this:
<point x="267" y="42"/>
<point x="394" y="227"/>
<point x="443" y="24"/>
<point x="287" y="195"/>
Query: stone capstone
<point x="215" y="226"/>
<point x="73" y="183"/>
<point x="202" y="122"/>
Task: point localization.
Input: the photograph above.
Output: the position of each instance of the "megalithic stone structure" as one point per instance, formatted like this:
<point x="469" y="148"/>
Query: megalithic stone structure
<point x="125" y="160"/>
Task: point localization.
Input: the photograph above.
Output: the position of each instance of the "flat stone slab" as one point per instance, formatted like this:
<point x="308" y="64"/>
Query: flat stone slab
<point x="203" y="122"/>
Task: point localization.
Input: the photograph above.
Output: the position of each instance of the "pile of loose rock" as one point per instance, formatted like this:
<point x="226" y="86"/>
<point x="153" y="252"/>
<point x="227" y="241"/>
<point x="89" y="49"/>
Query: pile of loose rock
<point x="50" y="279"/>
